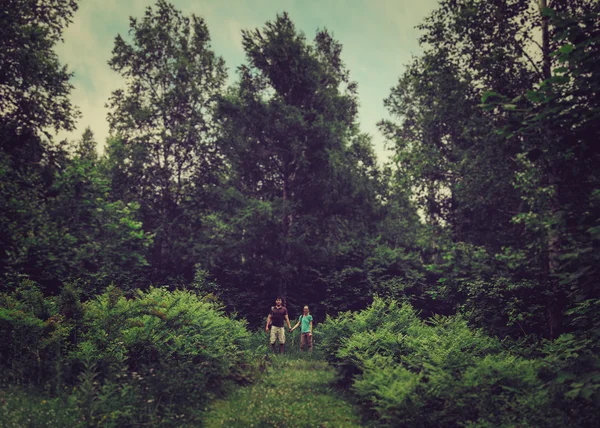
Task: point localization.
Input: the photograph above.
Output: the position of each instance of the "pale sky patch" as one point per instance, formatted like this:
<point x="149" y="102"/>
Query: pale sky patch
<point x="378" y="37"/>
<point x="235" y="34"/>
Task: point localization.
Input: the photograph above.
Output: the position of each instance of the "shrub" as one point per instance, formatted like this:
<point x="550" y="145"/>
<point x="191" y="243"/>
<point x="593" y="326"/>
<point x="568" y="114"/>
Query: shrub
<point x="438" y="373"/>
<point x="504" y="390"/>
<point x="390" y="390"/>
<point x="571" y="367"/>
<point x="21" y="407"/>
<point x="33" y="335"/>
<point x="147" y="359"/>
<point x="171" y="347"/>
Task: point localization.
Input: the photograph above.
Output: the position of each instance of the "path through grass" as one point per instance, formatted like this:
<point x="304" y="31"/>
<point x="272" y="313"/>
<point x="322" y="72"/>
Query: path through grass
<point x="295" y="392"/>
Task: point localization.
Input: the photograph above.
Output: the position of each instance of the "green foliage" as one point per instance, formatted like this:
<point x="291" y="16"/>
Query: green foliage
<point x="142" y="359"/>
<point x="86" y="148"/>
<point x="490" y="208"/>
<point x="503" y="307"/>
<point x="557" y="165"/>
<point x="183" y="340"/>
<point x="102" y="240"/>
<point x="435" y="373"/>
<point x="497" y="148"/>
<point x="572" y="365"/>
<point x="504" y="390"/>
<point x="344" y="338"/>
<point x="59" y="223"/>
<point x="26" y="233"/>
<point x="34" y="85"/>
<point x="21" y="407"/>
<point x="303" y="179"/>
<point x="33" y="335"/>
<point x="165" y="157"/>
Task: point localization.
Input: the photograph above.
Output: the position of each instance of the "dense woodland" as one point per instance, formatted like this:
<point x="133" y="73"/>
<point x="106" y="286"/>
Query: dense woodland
<point x="455" y="284"/>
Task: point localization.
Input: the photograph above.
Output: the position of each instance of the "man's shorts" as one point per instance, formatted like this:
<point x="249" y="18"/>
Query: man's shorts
<point x="277" y="333"/>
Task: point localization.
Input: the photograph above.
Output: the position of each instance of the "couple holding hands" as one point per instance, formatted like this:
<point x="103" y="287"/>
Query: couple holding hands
<point x="276" y="318"/>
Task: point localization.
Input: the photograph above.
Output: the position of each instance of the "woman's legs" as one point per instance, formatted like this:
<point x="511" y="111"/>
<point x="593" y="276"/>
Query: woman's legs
<point x="306" y="339"/>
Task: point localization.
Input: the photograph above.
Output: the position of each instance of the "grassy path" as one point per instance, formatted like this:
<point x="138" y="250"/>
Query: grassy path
<point x="293" y="393"/>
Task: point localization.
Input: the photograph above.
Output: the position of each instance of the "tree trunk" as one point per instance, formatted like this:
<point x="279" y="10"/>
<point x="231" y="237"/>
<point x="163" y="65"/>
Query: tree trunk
<point x="285" y="221"/>
<point x="554" y="306"/>
<point x="546" y="69"/>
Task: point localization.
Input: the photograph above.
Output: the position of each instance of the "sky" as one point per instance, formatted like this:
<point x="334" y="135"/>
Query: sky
<point x="379" y="39"/>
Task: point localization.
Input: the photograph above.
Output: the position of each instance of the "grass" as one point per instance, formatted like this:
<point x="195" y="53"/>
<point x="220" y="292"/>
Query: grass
<point x="23" y="408"/>
<point x="294" y="392"/>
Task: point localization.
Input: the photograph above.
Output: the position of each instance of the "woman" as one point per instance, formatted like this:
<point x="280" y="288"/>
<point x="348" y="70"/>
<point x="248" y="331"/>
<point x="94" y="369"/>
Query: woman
<point x="306" y="320"/>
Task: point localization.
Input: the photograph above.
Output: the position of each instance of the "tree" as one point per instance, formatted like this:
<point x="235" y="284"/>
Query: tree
<point x="461" y="169"/>
<point x="68" y="229"/>
<point x="556" y="121"/>
<point x="34" y="91"/>
<point x="86" y="147"/>
<point x="163" y="120"/>
<point x="98" y="241"/>
<point x="495" y="189"/>
<point x="303" y="178"/>
<point x="34" y="86"/>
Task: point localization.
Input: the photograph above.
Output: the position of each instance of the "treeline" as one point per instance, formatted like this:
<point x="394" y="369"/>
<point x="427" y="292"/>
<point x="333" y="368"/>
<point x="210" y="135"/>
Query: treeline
<point x="489" y="207"/>
<point x="266" y="187"/>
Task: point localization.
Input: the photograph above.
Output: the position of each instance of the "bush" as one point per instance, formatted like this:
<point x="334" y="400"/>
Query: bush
<point x="170" y="347"/>
<point x="148" y="359"/>
<point x="504" y="390"/>
<point x="33" y="335"/>
<point x="335" y="333"/>
<point x="21" y="407"/>
<point x="571" y="367"/>
<point x="438" y="373"/>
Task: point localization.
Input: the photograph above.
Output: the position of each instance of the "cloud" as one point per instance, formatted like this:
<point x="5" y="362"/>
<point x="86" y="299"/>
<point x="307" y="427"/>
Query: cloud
<point x="235" y="34"/>
<point x="86" y="50"/>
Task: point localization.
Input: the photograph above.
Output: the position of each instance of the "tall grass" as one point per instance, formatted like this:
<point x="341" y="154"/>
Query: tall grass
<point x="296" y="391"/>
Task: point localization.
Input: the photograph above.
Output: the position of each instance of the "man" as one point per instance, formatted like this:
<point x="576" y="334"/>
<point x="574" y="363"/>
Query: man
<point x="277" y="316"/>
<point x="306" y="320"/>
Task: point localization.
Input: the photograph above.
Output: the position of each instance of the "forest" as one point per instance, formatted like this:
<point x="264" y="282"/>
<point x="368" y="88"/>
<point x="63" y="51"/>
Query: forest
<point x="455" y="284"/>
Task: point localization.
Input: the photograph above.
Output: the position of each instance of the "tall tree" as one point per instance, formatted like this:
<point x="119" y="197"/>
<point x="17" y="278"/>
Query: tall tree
<point x="34" y="86"/>
<point x="163" y="119"/>
<point x="34" y="98"/>
<point x="295" y="154"/>
<point x="467" y="176"/>
<point x="557" y="122"/>
<point x="98" y="241"/>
